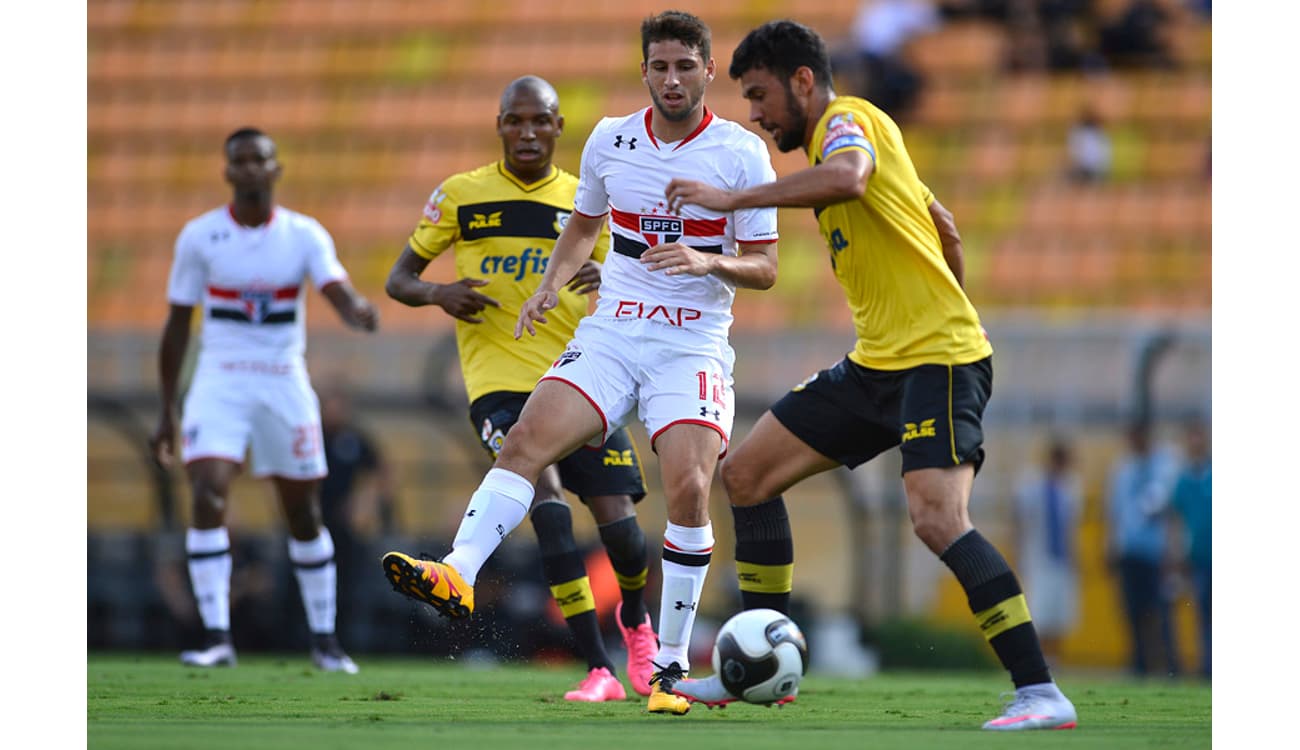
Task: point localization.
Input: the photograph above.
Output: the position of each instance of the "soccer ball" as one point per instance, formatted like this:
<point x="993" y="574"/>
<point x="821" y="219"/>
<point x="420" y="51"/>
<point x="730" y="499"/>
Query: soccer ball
<point x="760" y="655"/>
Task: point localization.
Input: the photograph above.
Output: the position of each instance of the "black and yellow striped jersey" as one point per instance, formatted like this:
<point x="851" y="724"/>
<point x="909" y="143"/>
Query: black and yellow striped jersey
<point x="908" y="308"/>
<point x="503" y="231"/>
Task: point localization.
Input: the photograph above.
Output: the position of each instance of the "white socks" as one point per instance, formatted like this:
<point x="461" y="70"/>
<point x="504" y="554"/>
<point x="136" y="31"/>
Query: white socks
<point x="208" y="551"/>
<point x="313" y="566"/>
<point x="500" y="503"/>
<point x="687" y="552"/>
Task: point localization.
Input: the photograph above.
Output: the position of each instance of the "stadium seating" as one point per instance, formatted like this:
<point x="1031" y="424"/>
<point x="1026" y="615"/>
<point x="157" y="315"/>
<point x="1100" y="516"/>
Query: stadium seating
<point x="374" y="102"/>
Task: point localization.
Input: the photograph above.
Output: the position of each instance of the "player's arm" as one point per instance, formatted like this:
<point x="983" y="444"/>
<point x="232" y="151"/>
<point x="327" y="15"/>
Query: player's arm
<point x="953" y="254"/>
<point x="572" y="250"/>
<point x="842" y="176"/>
<point x="171" y="353"/>
<point x="459" y="298"/>
<point x="355" y="310"/>
<point x="754" y="267"/>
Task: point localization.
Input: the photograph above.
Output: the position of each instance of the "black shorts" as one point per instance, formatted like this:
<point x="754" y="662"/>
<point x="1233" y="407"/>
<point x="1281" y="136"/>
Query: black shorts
<point x="612" y="469"/>
<point x="852" y="413"/>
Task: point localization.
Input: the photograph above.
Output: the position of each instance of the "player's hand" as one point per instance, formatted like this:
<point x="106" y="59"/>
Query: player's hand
<point x="461" y="301"/>
<point x="163" y="440"/>
<point x="587" y="279"/>
<point x="682" y="192"/>
<point x="674" y="258"/>
<point x="534" y="310"/>
<point x="364" y="314"/>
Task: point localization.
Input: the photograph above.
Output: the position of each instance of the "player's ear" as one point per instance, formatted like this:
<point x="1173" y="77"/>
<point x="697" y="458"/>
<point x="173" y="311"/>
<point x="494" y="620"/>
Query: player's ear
<point x="643" y="72"/>
<point x="710" y="70"/>
<point x="559" y="124"/>
<point x="804" y="81"/>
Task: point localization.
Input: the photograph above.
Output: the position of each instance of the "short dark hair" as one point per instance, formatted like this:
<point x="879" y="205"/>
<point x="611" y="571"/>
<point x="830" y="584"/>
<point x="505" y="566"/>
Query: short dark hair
<point x="241" y="134"/>
<point x="680" y="26"/>
<point x="782" y="47"/>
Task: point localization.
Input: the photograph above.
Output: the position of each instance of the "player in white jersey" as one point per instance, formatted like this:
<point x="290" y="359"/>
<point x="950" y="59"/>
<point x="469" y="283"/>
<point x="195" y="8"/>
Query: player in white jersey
<point x="247" y="266"/>
<point x="657" y="344"/>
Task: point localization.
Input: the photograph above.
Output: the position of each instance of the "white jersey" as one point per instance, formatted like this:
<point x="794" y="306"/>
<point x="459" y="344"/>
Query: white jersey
<point x="249" y="281"/>
<point x="625" y="171"/>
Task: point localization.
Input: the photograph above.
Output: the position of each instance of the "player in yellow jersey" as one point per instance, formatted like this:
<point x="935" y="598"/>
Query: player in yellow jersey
<point x="502" y="220"/>
<point x="918" y="377"/>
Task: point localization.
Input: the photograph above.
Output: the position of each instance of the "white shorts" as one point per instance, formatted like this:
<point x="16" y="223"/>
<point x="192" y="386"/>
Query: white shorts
<point x="270" y="408"/>
<point x="667" y="375"/>
<point x="1052" y="591"/>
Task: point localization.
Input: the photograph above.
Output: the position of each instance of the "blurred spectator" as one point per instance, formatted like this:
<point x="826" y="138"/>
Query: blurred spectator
<point x="1136" y="38"/>
<point x="1047" y="510"/>
<point x="1089" y="148"/>
<point x="881" y="31"/>
<point x="1140" y="485"/>
<point x="1051" y="35"/>
<point x="356" y="501"/>
<point x="1191" y="505"/>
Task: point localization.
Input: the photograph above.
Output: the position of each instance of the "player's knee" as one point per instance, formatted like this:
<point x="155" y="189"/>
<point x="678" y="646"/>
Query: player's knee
<point x="741" y="482"/>
<point x="688" y="484"/>
<point x="209" y="497"/>
<point x="935" y="523"/>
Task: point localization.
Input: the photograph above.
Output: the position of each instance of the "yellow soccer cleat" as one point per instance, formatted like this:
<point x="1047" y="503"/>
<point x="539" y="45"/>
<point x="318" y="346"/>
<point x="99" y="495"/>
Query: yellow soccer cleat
<point x="662" y="699"/>
<point x="434" y="583"/>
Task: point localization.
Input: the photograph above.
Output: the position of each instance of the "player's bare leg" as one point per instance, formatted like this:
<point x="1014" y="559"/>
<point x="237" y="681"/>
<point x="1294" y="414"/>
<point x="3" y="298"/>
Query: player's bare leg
<point x="687" y="459"/>
<point x="311" y="552"/>
<point x="554" y="422"/>
<point x="937" y="500"/>
<point x="207" y="547"/>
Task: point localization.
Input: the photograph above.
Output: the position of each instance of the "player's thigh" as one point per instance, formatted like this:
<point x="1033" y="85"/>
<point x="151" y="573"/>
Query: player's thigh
<point x="688" y="455"/>
<point x="941" y="412"/>
<point x="840" y="413"/>
<point x="286" y="436"/>
<point x="216" y="419"/>
<point x="556" y="419"/>
<point x="768" y="461"/>
<point x="612" y="470"/>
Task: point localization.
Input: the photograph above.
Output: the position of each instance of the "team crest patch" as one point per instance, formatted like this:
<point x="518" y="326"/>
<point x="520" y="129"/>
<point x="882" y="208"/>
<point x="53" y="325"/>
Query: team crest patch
<point x="432" y="209"/>
<point x="561" y="221"/>
<point x="570" y="355"/>
<point x="256" y="303"/>
<point x="492" y="438"/>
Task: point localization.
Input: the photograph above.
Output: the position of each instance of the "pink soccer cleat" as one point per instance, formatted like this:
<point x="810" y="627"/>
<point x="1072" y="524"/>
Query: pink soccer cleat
<point x="598" y="686"/>
<point x="642" y="646"/>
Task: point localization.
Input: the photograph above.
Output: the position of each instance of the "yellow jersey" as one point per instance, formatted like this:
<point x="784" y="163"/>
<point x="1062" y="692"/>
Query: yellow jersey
<point x="908" y="308"/>
<point x="503" y="231"/>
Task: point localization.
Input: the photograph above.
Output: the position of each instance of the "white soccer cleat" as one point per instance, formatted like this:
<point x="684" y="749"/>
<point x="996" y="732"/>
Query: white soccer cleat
<point x="1041" y="706"/>
<point x="328" y="656"/>
<point x="708" y="690"/>
<point x="220" y="654"/>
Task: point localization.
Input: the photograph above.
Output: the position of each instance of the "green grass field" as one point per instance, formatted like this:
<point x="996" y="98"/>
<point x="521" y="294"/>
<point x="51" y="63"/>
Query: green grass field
<point x="151" y="701"/>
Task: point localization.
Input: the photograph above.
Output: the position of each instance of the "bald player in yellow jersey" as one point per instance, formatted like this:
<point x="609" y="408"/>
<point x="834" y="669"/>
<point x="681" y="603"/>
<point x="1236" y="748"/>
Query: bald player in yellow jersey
<point x="502" y="219"/>
<point x="918" y="377"/>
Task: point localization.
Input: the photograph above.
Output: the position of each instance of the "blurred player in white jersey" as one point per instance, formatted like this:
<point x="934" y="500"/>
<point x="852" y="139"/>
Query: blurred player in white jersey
<point x="657" y="344"/>
<point x="246" y="265"/>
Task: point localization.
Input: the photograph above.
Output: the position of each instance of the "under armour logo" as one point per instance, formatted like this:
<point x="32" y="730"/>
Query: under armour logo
<point x="685" y="605"/>
<point x="471" y="513"/>
<point x="225" y="234"/>
<point x="704" y="412"/>
<point x="501" y="531"/>
<point x="631" y="142"/>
